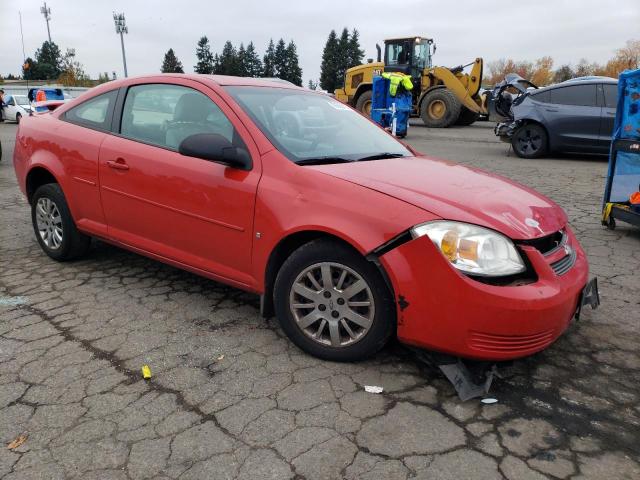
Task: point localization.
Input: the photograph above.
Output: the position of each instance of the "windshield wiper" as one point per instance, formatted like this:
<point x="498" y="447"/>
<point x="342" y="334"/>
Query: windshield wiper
<point x="380" y="156"/>
<point x="323" y="160"/>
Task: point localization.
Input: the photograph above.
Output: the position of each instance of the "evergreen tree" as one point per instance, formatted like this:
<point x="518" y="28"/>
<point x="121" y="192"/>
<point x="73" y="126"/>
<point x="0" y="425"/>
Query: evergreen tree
<point x="205" y="57"/>
<point x="293" y="71"/>
<point x="29" y="67"/>
<point x="280" y="57"/>
<point x="329" y="66"/>
<point x="216" y="65"/>
<point x="229" y="60"/>
<point x="242" y="62"/>
<point x="343" y="56"/>
<point x="356" y="54"/>
<point x="252" y="61"/>
<point x="171" y="64"/>
<point x="48" y="62"/>
<point x="312" y="85"/>
<point x="269" y="70"/>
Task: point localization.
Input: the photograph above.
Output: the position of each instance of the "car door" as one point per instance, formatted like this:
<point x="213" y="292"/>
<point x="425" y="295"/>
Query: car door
<point x="609" y="95"/>
<point x="573" y="117"/>
<point x="190" y="211"/>
<point x="10" y="108"/>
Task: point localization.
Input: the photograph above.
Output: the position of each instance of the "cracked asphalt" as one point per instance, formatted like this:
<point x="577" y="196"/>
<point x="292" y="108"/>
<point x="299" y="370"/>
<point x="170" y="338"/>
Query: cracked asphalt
<point x="232" y="398"/>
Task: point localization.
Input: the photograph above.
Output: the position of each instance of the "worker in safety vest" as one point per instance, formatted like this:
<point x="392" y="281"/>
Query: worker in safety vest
<point x="396" y="79"/>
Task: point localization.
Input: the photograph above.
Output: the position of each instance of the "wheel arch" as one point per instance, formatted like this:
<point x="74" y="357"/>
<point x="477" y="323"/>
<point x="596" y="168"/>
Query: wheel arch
<point x="363" y="87"/>
<point x="38" y="176"/>
<point x="529" y="121"/>
<point x="291" y="242"/>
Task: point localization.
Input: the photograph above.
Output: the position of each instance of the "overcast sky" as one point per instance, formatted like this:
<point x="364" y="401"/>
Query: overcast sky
<point x="463" y="29"/>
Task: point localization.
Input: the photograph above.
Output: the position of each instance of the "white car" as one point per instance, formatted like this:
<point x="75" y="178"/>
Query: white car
<point x="16" y="107"/>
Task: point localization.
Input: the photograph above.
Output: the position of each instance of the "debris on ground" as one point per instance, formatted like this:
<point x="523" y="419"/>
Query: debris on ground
<point x="17" y="441"/>
<point x="372" y="389"/>
<point x="220" y="358"/>
<point x="489" y="401"/>
<point x="146" y="372"/>
<point x="12" y="301"/>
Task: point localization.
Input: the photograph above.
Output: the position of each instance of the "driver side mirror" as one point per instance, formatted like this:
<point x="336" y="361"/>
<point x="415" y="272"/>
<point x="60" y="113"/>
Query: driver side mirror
<point x="215" y="148"/>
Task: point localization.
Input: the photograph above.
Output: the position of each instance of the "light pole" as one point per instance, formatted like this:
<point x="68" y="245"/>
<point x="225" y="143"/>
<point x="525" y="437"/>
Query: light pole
<point x="121" y="28"/>
<point x="47" y="16"/>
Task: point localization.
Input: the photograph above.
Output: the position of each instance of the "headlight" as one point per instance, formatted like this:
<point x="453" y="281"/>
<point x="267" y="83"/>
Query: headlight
<point x="472" y="249"/>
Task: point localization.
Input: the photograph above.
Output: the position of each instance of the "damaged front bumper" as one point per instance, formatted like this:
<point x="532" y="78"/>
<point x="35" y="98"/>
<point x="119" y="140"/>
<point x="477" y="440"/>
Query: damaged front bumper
<point x="442" y="309"/>
<point x="505" y="130"/>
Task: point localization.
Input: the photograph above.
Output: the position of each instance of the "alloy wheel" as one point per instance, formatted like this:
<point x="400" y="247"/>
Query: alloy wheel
<point x="529" y="141"/>
<point x="49" y="222"/>
<point x="332" y="304"/>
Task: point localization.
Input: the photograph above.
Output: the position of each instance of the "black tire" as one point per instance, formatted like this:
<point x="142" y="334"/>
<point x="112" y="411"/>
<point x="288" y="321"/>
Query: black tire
<point x="530" y="141"/>
<point x="440" y="108"/>
<point x="18" y="118"/>
<point x="611" y="223"/>
<point x="467" y="117"/>
<point x="74" y="244"/>
<point x="383" y="322"/>
<point x="363" y="105"/>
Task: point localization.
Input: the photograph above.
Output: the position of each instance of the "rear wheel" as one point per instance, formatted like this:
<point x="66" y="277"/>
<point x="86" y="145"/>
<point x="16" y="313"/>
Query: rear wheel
<point x="530" y="141"/>
<point x="440" y="108"/>
<point x="363" y="104"/>
<point x="333" y="303"/>
<point x="53" y="224"/>
<point x="467" y="117"/>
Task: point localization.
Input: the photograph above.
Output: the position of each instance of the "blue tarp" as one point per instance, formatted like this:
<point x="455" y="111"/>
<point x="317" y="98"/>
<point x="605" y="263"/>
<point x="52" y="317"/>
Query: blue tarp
<point x="381" y="106"/>
<point x="623" y="176"/>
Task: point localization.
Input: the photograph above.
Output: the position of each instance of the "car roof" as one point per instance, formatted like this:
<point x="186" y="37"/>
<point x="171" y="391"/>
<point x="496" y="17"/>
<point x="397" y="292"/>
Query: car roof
<point x="580" y="81"/>
<point x="592" y="78"/>
<point x="220" y="80"/>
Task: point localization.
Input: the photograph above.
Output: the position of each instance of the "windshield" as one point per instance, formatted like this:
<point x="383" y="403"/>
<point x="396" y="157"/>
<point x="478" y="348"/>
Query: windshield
<point x="421" y="55"/>
<point x="21" y="100"/>
<point x="305" y="125"/>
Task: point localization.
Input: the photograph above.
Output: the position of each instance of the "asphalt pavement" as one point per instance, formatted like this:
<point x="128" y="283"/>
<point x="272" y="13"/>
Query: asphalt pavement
<point x="232" y="398"/>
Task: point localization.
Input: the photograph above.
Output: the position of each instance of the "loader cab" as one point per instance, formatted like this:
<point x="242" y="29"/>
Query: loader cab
<point x="408" y="55"/>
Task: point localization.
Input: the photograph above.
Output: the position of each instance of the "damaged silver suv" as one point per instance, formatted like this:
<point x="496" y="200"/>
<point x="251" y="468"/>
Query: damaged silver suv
<point x="573" y="116"/>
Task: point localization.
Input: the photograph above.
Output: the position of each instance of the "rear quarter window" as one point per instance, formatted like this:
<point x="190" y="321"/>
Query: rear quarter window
<point x="95" y="113"/>
<point x="540" y="96"/>
<point x="610" y="95"/>
<point x="579" y="95"/>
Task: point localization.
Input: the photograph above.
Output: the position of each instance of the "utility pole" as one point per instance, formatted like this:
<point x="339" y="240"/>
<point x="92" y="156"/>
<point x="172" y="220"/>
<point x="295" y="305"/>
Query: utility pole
<point x="47" y="16"/>
<point x="24" y="56"/>
<point x="121" y="29"/>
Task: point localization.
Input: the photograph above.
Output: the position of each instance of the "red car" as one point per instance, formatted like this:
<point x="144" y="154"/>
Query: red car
<point x="348" y="235"/>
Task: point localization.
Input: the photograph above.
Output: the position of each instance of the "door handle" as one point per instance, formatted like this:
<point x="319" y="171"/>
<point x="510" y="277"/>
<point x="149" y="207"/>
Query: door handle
<point x="118" y="164"/>
<point x="551" y="109"/>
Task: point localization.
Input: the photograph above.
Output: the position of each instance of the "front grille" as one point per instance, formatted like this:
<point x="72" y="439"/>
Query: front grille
<point x="563" y="265"/>
<point x="491" y="343"/>
<point x="549" y="244"/>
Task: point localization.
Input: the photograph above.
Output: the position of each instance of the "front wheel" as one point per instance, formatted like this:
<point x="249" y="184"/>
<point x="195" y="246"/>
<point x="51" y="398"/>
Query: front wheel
<point x="530" y="141"/>
<point x="440" y="108"/>
<point x="363" y="105"/>
<point x="18" y="118"/>
<point x="53" y="224"/>
<point x="333" y="303"/>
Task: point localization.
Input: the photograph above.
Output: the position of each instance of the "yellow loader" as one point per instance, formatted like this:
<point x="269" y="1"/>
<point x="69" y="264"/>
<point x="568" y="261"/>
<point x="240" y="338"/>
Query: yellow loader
<point x="446" y="96"/>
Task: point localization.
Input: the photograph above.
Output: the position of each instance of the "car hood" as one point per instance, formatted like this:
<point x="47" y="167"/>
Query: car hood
<point x="457" y="192"/>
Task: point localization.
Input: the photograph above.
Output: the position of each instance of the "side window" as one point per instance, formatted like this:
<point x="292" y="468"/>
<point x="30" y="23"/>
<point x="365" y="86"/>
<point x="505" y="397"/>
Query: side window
<point x="165" y="115"/>
<point x="541" y="96"/>
<point x="94" y="113"/>
<point x="584" y="95"/>
<point x="610" y="95"/>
